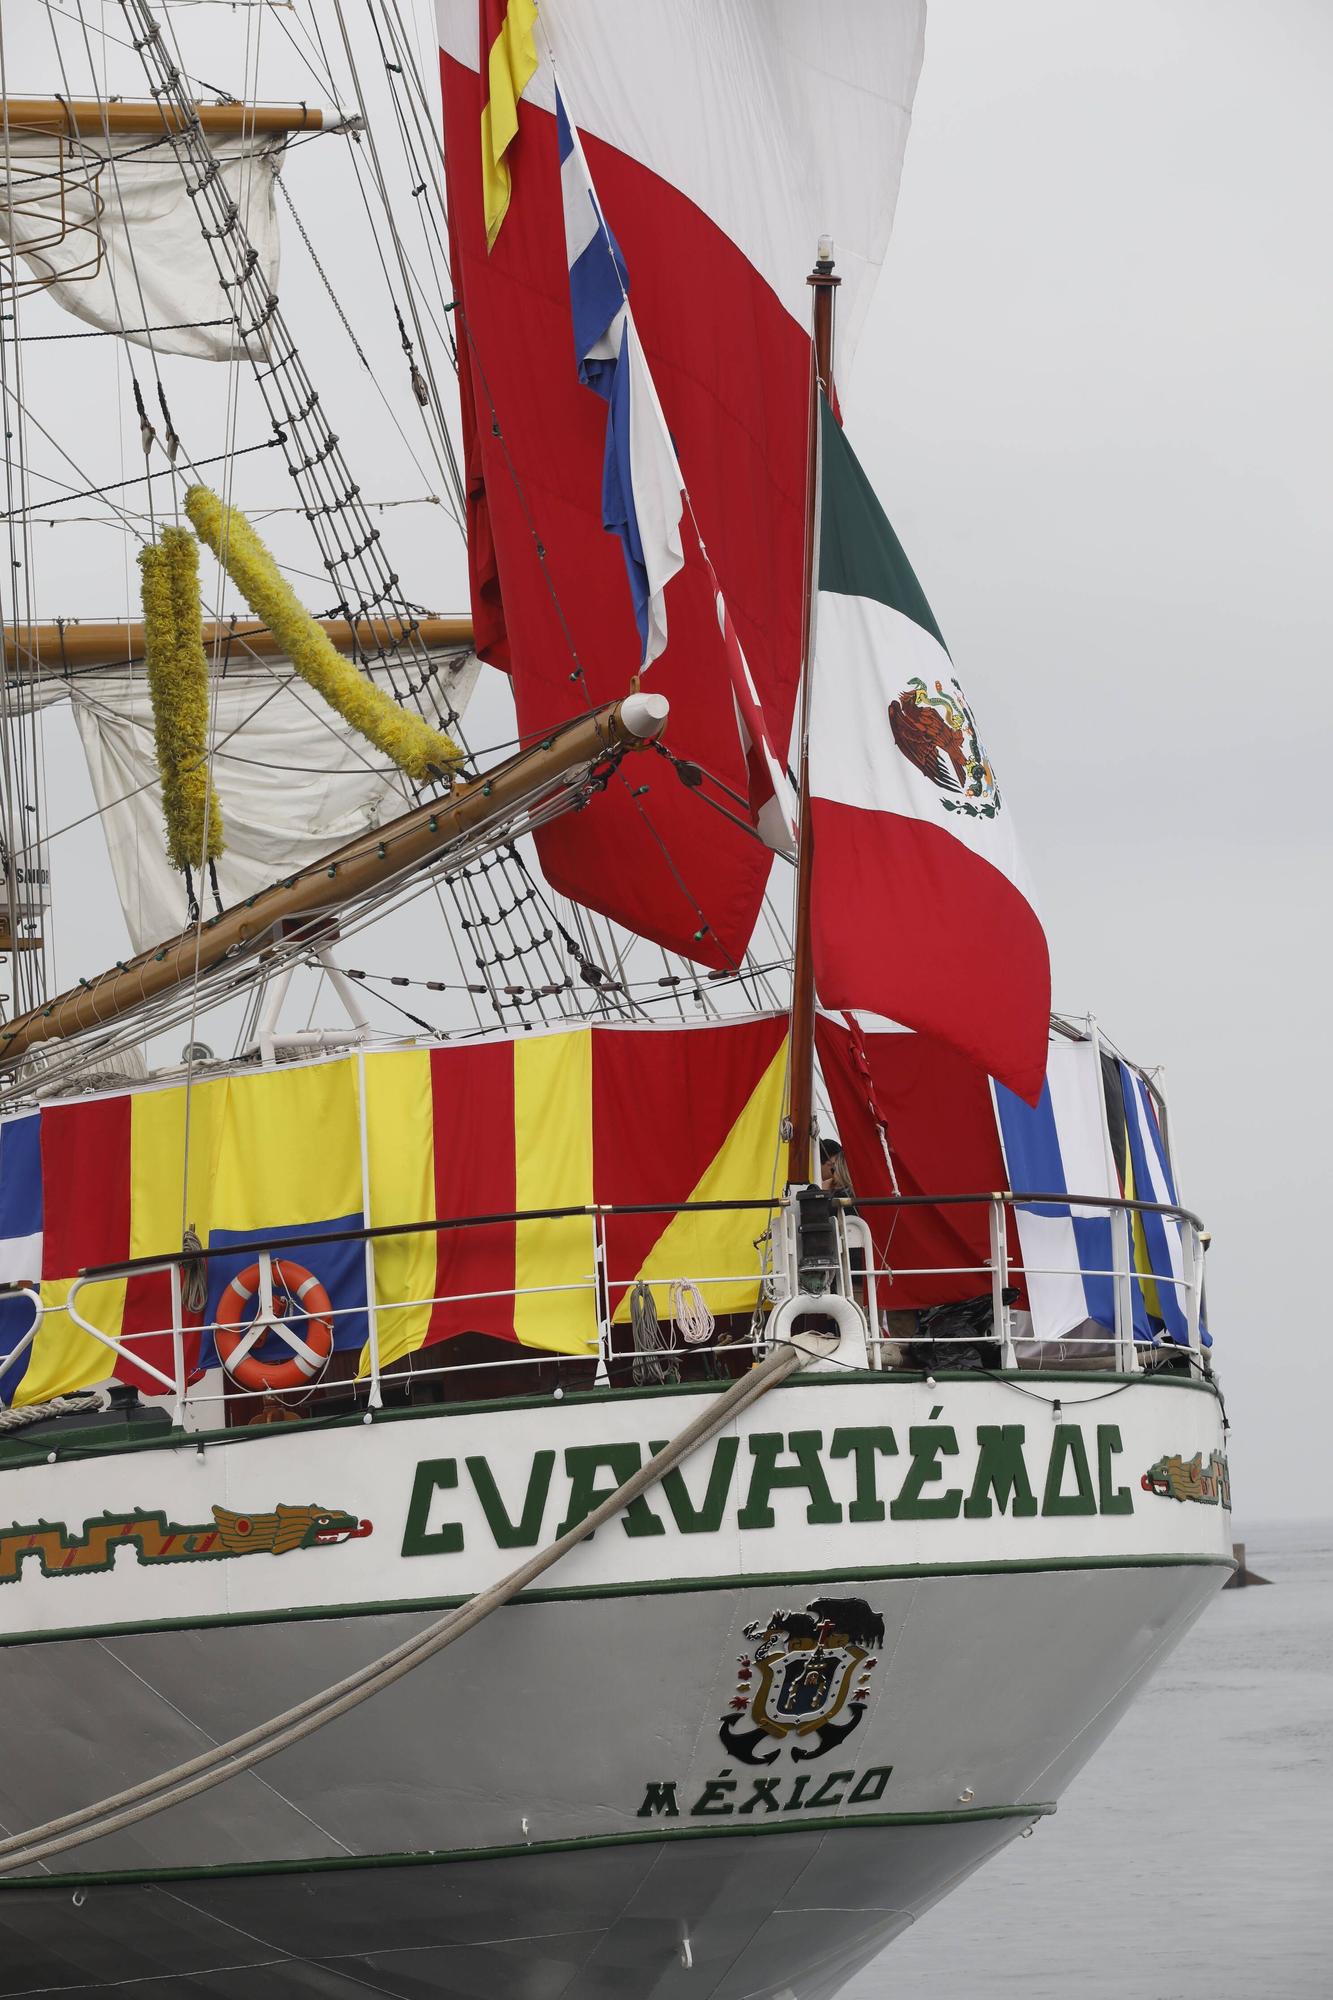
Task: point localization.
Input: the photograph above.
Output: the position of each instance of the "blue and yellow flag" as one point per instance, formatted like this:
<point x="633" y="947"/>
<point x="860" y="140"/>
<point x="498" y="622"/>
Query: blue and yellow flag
<point x="285" y="1147"/>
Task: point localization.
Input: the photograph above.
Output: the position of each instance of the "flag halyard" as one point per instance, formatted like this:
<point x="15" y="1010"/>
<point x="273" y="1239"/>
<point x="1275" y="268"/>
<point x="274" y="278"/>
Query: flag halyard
<point x="769" y="793"/>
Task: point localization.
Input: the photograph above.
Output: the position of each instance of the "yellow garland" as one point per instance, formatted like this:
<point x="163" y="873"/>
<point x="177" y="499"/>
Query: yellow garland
<point x="412" y="744"/>
<point x="178" y="685"/>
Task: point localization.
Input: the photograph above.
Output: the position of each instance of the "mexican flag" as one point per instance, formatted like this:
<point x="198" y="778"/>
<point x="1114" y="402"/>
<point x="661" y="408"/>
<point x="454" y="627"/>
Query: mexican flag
<point x="922" y="907"/>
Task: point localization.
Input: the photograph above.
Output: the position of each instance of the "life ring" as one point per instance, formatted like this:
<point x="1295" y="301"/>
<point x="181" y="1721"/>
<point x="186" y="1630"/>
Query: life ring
<point x="311" y="1347"/>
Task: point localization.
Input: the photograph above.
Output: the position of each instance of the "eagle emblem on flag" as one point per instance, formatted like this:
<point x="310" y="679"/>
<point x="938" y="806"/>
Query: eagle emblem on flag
<point x="937" y="734"/>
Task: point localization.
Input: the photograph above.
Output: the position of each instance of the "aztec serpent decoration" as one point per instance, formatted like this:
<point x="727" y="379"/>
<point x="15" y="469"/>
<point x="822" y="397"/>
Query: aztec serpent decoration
<point x="1175" y="1478"/>
<point x="154" y="1539"/>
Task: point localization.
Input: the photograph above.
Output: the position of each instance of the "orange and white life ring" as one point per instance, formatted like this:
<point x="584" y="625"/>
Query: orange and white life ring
<point x="235" y="1337"/>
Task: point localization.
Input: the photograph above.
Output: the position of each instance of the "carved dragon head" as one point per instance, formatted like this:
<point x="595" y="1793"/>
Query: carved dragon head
<point x="285" y="1529"/>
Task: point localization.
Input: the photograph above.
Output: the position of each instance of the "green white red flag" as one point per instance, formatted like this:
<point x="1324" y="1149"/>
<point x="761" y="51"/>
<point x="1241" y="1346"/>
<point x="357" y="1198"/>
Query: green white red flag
<point x="923" y="910"/>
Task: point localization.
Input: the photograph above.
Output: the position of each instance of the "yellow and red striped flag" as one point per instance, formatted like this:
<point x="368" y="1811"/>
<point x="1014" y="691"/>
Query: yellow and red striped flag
<point x="489" y="1136"/>
<point x="509" y="61"/>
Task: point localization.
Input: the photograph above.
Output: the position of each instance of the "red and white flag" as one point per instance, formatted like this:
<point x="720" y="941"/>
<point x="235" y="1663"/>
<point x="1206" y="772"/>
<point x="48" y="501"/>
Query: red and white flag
<point x="770" y="797"/>
<point x="722" y="139"/>
<point x="922" y="907"/>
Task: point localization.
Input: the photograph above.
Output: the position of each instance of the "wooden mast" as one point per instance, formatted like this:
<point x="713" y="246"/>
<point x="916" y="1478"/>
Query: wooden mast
<point x="802" y="1092"/>
<point x="305" y="901"/>
<point x="49" y="652"/>
<point x="95" y="117"/>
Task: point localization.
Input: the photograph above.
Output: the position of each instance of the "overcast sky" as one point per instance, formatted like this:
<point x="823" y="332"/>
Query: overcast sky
<point x="1095" y="398"/>
<point x="1094" y="395"/>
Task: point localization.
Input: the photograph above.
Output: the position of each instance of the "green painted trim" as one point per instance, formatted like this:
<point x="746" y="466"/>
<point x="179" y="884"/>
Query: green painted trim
<point x="16" y="1457"/>
<point x="438" y="1857"/>
<point x="660" y="1587"/>
<point x="1136" y="1377"/>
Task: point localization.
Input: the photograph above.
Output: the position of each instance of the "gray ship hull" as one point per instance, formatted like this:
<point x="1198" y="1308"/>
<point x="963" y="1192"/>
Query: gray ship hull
<point x="715" y="1919"/>
<point x="729" y="1754"/>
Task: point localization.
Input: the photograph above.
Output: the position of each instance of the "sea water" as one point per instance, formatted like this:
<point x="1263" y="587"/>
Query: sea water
<point x="1192" y="1858"/>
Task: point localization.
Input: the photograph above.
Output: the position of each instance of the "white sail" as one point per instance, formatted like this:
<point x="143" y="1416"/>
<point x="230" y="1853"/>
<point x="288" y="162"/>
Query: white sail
<point x="106" y="227"/>
<point x="293" y="779"/>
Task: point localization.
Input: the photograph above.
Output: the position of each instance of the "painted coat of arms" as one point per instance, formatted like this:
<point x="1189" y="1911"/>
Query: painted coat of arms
<point x="937" y="734"/>
<point x="807" y="1678"/>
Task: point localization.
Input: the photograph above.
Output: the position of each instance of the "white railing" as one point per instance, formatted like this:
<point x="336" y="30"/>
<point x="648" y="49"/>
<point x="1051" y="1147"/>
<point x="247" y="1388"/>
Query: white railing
<point x="861" y="1281"/>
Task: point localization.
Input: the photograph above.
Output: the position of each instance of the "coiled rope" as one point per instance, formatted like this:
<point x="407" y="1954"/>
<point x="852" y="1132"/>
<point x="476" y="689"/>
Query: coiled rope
<point x="58" y="1406"/>
<point x="693" y="1320"/>
<point x="227" y="1760"/>
<point x="650" y="1343"/>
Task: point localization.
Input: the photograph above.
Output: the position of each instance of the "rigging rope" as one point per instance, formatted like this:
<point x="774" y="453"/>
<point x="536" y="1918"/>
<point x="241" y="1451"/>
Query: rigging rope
<point x="431" y="406"/>
<point x="121" y="332"/>
<point x="347" y="540"/>
<point x="22" y="765"/>
<point x="240" y="216"/>
<point x="516" y="922"/>
<point x="357" y="348"/>
<point x="140" y="478"/>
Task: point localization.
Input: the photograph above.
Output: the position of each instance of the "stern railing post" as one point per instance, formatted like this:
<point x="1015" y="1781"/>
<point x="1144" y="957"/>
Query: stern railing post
<point x="1191" y="1252"/>
<point x="178" y="1344"/>
<point x="376" y="1397"/>
<point x="603" y="1283"/>
<point x="999" y="1280"/>
<point x="1123" y="1280"/>
<point x="858" y="1231"/>
<point x="109" y="1340"/>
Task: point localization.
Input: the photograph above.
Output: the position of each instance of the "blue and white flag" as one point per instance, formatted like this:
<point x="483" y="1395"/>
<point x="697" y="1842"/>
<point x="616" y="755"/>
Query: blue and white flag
<point x="20" y="1240"/>
<point x="641" y="482"/>
<point x="1158" y="1244"/>
<point x="1059" y="1146"/>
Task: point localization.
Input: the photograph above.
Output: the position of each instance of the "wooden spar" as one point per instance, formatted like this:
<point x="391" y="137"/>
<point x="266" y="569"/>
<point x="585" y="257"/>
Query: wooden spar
<point x="44" y="652"/>
<point x="372" y="860"/>
<point x="94" y="117"/>
<point x="802" y="1093"/>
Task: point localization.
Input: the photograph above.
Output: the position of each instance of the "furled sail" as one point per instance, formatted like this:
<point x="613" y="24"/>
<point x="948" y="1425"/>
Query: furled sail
<point x="294" y="780"/>
<point x="105" y="226"/>
<point x="722" y="142"/>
